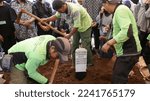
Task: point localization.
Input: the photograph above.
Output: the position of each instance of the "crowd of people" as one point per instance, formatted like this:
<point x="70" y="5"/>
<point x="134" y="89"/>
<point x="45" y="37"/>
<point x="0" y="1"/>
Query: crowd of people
<point x="120" y="29"/>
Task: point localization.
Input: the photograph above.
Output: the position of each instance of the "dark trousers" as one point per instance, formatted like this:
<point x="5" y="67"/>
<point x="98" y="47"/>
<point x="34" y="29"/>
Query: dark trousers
<point x="122" y="67"/>
<point x="95" y="31"/>
<point x="18" y="76"/>
<point x="145" y="49"/>
<point x="9" y="41"/>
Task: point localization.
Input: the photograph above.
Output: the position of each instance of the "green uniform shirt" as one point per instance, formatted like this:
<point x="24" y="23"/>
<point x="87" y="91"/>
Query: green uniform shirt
<point x="148" y="38"/>
<point x="35" y="51"/>
<point x="77" y="17"/>
<point x="125" y="32"/>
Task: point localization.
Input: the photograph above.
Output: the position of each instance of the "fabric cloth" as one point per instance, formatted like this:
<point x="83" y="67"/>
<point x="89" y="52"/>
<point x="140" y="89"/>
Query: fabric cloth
<point x="122" y="67"/>
<point x="125" y="32"/>
<point x="77" y="17"/>
<point x="92" y="8"/>
<point x="143" y="16"/>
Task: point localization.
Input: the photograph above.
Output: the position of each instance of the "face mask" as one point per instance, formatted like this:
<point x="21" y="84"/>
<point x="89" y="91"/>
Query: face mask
<point x="106" y="13"/>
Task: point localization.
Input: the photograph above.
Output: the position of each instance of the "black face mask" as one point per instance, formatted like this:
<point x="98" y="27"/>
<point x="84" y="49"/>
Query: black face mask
<point x="106" y="13"/>
<point x="146" y="6"/>
<point x="135" y="1"/>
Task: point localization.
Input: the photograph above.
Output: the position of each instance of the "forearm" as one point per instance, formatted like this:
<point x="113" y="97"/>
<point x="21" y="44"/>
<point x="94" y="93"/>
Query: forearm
<point x="74" y="30"/>
<point x="52" y="18"/>
<point x="111" y="42"/>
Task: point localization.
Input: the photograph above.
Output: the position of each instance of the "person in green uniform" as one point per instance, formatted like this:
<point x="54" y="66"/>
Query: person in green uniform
<point x="29" y="54"/>
<point x="125" y="40"/>
<point x="79" y="23"/>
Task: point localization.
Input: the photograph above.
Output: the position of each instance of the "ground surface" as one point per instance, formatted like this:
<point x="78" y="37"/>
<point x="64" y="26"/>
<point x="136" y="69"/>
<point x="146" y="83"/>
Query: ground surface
<point x="100" y="73"/>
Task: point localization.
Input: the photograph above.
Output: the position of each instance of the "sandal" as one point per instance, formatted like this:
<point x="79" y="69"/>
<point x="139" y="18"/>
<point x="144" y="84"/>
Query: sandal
<point x="145" y="73"/>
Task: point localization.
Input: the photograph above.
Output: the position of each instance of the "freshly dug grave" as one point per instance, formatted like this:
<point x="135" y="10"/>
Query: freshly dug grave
<point x="100" y="73"/>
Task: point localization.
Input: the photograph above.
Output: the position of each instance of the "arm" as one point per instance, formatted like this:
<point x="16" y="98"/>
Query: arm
<point x="108" y="44"/>
<point x="31" y="66"/>
<point x="54" y="71"/>
<point x="124" y="23"/>
<point x="50" y="19"/>
<point x="76" y="24"/>
<point x="74" y="30"/>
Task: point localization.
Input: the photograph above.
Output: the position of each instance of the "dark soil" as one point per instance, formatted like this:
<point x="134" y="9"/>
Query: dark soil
<point x="100" y="73"/>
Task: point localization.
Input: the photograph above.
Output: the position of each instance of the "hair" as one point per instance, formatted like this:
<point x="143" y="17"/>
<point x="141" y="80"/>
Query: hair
<point x="57" y="4"/>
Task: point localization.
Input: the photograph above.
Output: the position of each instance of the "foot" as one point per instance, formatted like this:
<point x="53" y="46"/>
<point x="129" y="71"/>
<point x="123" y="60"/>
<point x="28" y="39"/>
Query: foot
<point x="131" y="74"/>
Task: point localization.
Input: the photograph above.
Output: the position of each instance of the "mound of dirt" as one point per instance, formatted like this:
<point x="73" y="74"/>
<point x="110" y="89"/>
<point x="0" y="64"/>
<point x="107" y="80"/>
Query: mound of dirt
<point x="100" y="73"/>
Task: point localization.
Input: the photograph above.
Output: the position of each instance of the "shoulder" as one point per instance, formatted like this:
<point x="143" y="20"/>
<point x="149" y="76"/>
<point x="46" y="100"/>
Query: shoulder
<point x="123" y="8"/>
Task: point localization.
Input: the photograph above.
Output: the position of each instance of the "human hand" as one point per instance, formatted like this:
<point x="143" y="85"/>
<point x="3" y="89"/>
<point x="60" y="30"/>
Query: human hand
<point x="44" y="27"/>
<point x="44" y="20"/>
<point x="146" y="1"/>
<point x="68" y="36"/>
<point x="94" y="24"/>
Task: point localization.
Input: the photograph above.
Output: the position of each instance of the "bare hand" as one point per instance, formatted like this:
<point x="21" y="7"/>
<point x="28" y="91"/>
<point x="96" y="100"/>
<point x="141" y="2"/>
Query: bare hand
<point x="105" y="47"/>
<point x="44" y="20"/>
<point x="68" y="36"/>
<point x="94" y="24"/>
<point x="44" y="27"/>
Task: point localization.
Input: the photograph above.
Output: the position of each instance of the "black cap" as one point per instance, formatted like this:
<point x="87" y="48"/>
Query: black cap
<point x="57" y="4"/>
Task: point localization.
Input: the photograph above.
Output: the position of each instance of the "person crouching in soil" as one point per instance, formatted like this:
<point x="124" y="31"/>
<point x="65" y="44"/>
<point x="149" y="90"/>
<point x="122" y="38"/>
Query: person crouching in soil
<point x="29" y="54"/>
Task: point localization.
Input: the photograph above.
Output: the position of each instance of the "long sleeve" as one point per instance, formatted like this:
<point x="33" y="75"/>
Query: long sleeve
<point x="31" y="65"/>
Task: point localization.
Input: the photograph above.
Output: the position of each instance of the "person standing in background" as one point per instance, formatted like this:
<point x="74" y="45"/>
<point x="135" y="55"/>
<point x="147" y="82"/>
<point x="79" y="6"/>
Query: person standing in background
<point x="7" y="29"/>
<point x="42" y="9"/>
<point x="93" y="8"/>
<point x="26" y="27"/>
